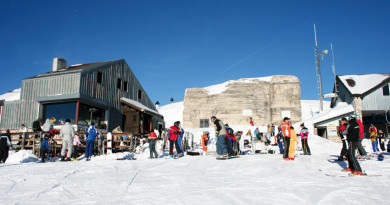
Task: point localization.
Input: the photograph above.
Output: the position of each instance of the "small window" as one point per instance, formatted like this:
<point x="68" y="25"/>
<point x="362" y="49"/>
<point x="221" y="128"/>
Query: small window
<point x="99" y="77"/>
<point x="204" y="123"/>
<point x="125" y="86"/>
<point x="134" y="118"/>
<point x="119" y="84"/>
<point x="139" y="94"/>
<point x="386" y="91"/>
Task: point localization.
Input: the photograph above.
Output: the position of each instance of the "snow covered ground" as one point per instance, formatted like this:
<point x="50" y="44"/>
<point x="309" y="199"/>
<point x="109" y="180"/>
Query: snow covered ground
<point x="250" y="179"/>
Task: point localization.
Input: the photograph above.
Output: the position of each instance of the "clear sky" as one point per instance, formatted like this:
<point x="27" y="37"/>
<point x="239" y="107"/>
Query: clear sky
<point x="174" y="45"/>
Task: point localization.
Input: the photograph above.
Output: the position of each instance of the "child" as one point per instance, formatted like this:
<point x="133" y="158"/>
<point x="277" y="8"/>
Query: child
<point x="76" y="145"/>
<point x="44" y="148"/>
<point x="205" y="140"/>
<point x="374" y="135"/>
<point x="294" y="139"/>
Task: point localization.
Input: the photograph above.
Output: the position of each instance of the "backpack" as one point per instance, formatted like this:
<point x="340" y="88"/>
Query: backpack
<point x="230" y="131"/>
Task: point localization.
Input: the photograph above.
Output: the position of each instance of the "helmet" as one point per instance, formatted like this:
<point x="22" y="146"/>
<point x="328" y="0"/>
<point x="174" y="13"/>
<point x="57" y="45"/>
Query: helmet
<point x="176" y="124"/>
<point x="380" y="157"/>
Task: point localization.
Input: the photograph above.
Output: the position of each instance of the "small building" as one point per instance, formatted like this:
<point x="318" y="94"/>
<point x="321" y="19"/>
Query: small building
<point x="266" y="100"/>
<point x="105" y="93"/>
<point x="370" y="96"/>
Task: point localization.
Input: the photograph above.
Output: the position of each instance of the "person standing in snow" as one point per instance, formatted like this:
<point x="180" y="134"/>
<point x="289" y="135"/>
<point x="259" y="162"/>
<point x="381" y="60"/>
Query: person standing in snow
<point x="220" y="133"/>
<point x="174" y="132"/>
<point x="205" y="142"/>
<point x="280" y="139"/>
<point x="293" y="141"/>
<point x="45" y="149"/>
<point x="381" y="137"/>
<point x="180" y="137"/>
<point x="360" y="147"/>
<point x="238" y="144"/>
<point x="304" y="137"/>
<point x="343" y="133"/>
<point x="92" y="133"/>
<point x="152" y="144"/>
<point x="285" y="126"/>
<point x="67" y="134"/>
<point x="251" y="121"/>
<point x="374" y="136"/>
<point x="76" y="145"/>
<point x="353" y="138"/>
<point x="5" y="144"/>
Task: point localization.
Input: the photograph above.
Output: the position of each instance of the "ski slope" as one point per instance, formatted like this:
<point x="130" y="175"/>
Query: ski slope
<point x="250" y="179"/>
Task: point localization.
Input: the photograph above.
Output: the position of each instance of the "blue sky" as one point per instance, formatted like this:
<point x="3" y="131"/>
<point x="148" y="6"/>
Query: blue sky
<point x="174" y="45"/>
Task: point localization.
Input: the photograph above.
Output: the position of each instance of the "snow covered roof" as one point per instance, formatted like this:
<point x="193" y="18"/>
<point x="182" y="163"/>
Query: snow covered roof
<point x="361" y="84"/>
<point x="11" y="96"/>
<point x="342" y="108"/>
<point x="139" y="106"/>
<point x="220" y="88"/>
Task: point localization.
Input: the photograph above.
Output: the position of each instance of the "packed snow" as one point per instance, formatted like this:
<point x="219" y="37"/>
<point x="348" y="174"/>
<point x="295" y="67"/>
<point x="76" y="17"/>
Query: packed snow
<point x="249" y="179"/>
<point x="12" y="95"/>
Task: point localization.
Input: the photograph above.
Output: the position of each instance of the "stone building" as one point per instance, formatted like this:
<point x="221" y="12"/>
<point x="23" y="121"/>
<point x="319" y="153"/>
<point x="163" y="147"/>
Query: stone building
<point x="267" y="100"/>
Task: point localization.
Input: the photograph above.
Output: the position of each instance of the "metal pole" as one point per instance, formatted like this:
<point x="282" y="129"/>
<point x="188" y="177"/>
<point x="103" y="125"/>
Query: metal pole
<point x="319" y="81"/>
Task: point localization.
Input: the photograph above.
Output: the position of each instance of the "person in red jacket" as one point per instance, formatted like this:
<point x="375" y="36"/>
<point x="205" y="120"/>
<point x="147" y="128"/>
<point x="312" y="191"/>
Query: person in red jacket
<point x="285" y="126"/>
<point x="360" y="148"/>
<point x="152" y="144"/>
<point x="174" y="132"/>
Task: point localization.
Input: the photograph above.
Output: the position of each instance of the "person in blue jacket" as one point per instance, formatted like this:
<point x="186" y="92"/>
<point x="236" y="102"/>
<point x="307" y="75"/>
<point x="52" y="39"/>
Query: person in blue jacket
<point x="279" y="138"/>
<point x="45" y="149"/>
<point x="91" y="134"/>
<point x="180" y="137"/>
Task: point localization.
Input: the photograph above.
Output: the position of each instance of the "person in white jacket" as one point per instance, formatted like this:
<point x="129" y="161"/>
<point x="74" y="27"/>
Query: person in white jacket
<point x="67" y="133"/>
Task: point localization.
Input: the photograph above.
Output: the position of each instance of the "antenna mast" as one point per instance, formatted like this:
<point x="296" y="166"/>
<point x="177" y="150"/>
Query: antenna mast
<point x="334" y="69"/>
<point x="319" y="81"/>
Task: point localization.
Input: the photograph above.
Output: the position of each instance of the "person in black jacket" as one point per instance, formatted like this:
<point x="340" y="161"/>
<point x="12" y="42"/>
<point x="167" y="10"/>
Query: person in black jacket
<point x="36" y="126"/>
<point x="353" y="138"/>
<point x="5" y="144"/>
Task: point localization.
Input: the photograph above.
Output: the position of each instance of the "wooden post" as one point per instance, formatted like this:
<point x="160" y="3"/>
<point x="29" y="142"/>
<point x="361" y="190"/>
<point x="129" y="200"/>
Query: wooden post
<point x="23" y="138"/>
<point x="77" y="112"/>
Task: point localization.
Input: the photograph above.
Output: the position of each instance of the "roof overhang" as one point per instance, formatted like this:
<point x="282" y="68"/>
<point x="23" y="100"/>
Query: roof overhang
<point x="140" y="107"/>
<point x="72" y="97"/>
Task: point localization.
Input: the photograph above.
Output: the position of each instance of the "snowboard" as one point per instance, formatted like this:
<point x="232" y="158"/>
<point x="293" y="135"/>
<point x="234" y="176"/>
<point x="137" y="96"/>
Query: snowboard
<point x="225" y="158"/>
<point x="344" y="173"/>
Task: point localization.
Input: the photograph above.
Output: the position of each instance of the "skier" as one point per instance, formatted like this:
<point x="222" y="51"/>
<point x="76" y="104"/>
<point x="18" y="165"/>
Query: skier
<point x="293" y="141"/>
<point x="381" y="137"/>
<point x="220" y="133"/>
<point x="180" y="137"/>
<point x="91" y="134"/>
<point x="238" y="144"/>
<point x="360" y="147"/>
<point x="280" y="139"/>
<point x="251" y="121"/>
<point x="229" y="140"/>
<point x="353" y="138"/>
<point x="47" y="126"/>
<point x="257" y="134"/>
<point x="5" y="144"/>
<point x="45" y="149"/>
<point x="205" y="140"/>
<point x="304" y="137"/>
<point x="76" y="145"/>
<point x="152" y="144"/>
<point x="174" y="132"/>
<point x="343" y="133"/>
<point x="67" y="134"/>
<point x="285" y="126"/>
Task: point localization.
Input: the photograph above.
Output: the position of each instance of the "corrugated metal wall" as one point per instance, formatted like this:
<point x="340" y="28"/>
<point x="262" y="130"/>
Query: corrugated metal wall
<point x="45" y="86"/>
<point x="107" y="91"/>
<point x="10" y="115"/>
<point x="376" y="101"/>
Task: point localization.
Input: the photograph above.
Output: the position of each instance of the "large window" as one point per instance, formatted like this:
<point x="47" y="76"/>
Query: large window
<point x="386" y="91"/>
<point x="88" y="114"/>
<point x="59" y="112"/>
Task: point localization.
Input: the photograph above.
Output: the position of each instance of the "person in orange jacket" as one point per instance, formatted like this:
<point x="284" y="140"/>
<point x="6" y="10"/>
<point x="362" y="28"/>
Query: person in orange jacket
<point x="293" y="141"/>
<point x="285" y="126"/>
<point x="205" y="142"/>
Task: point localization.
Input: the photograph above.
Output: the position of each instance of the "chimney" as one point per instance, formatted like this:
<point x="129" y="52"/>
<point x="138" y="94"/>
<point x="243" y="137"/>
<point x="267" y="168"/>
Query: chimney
<point x="58" y="64"/>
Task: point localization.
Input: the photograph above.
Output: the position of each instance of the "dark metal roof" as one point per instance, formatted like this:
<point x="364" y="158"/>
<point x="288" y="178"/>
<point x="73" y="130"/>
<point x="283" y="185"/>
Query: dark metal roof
<point x="78" y="68"/>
